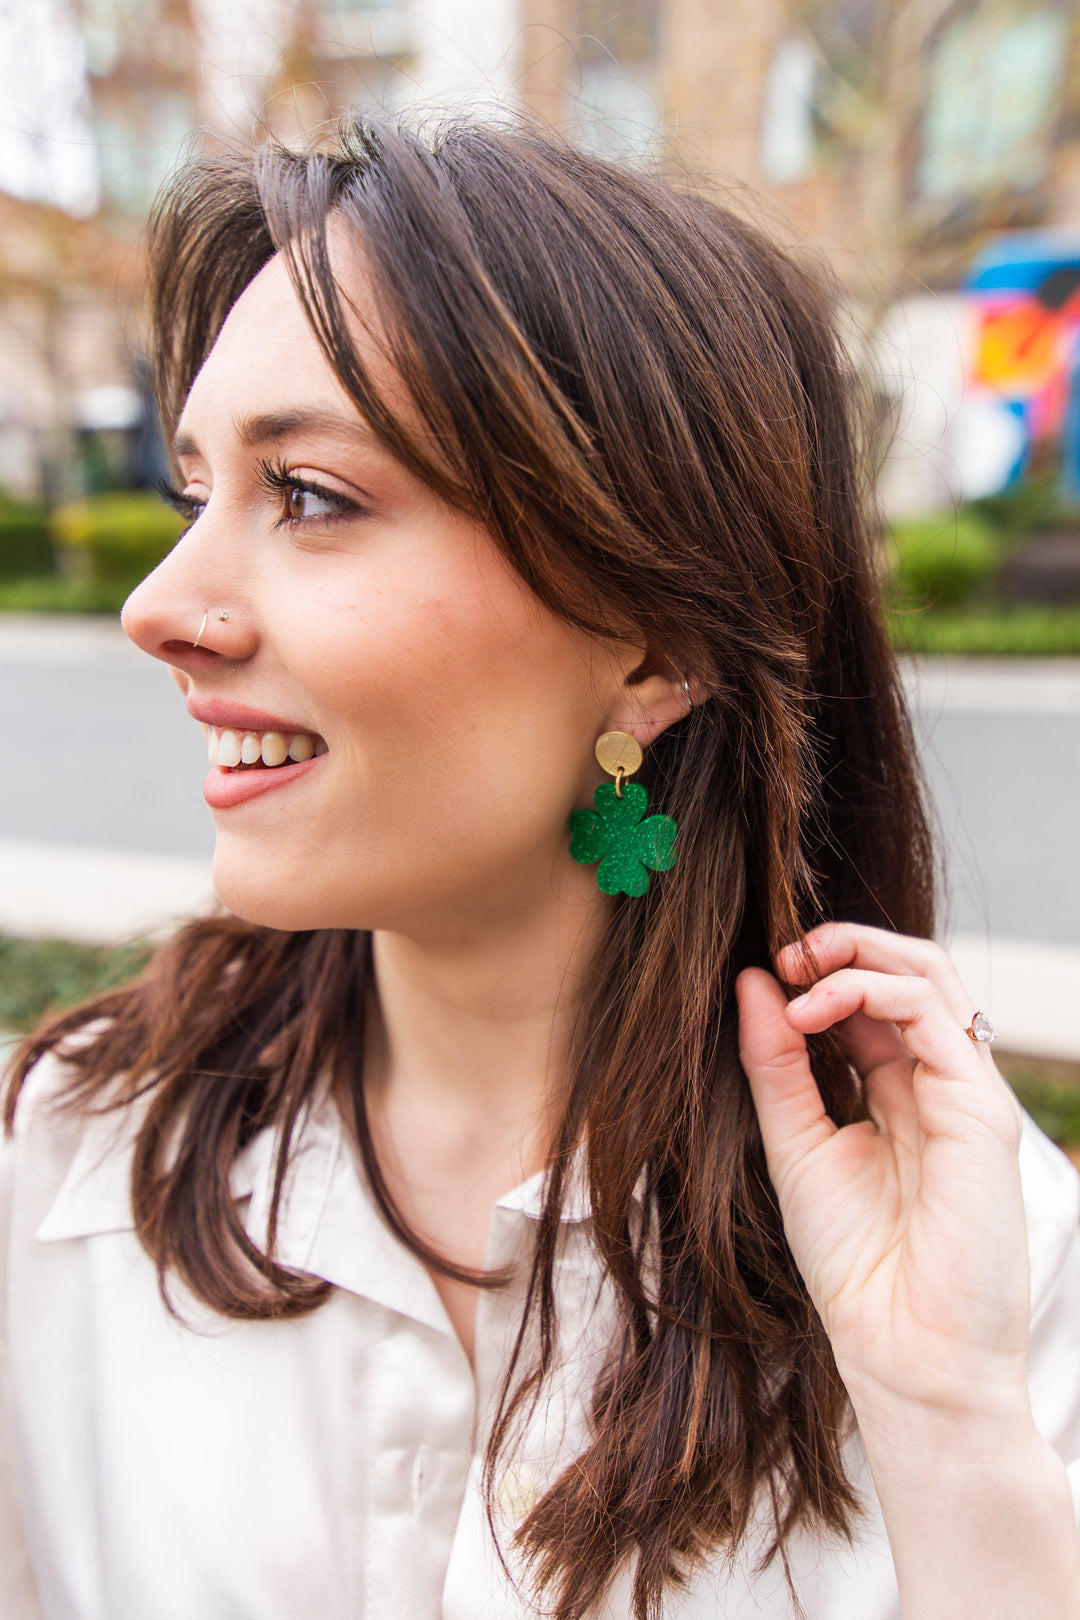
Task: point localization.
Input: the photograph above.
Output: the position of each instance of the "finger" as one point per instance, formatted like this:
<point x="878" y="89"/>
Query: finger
<point x="876" y="1052"/>
<point x="890" y="1101"/>
<point x="963" y="1079"/>
<point x="789" y="1106"/>
<point x="832" y="946"/>
<point x="878" y="1055"/>
<point x="867" y="1043"/>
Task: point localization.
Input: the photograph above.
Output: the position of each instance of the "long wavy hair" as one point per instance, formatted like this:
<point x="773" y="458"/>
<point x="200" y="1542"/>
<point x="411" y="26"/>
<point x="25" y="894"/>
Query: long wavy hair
<point x="646" y="403"/>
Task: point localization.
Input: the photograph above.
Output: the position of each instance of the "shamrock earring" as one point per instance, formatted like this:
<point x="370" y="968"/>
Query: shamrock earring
<point x="615" y="834"/>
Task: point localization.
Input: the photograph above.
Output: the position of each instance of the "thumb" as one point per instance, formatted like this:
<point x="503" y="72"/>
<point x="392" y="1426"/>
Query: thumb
<point x="789" y="1107"/>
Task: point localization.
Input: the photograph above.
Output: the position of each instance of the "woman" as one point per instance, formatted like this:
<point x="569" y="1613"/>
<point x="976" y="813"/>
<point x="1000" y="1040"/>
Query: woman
<point x="461" y="1228"/>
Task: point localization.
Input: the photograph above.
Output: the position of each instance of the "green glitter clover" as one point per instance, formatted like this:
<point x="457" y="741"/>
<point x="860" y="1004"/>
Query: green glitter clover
<point x="626" y="846"/>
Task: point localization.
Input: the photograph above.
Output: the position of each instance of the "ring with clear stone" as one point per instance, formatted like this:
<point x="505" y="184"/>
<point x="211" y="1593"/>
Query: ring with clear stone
<point x="981" y="1030"/>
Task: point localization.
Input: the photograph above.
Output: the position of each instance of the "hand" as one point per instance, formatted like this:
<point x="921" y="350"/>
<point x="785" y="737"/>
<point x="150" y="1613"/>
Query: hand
<point x="909" y="1228"/>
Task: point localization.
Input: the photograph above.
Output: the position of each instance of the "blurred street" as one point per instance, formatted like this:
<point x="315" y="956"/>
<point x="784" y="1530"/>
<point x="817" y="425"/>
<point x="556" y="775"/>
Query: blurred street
<point x="103" y="831"/>
<point x="1000" y="741"/>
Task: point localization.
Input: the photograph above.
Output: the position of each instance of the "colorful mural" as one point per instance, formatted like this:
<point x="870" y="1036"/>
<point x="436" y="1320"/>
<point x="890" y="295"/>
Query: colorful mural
<point x="1025" y="296"/>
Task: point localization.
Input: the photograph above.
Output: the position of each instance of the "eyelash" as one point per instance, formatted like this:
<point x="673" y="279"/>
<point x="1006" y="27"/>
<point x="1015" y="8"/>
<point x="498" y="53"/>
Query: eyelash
<point x="275" y="477"/>
<point x="188" y="509"/>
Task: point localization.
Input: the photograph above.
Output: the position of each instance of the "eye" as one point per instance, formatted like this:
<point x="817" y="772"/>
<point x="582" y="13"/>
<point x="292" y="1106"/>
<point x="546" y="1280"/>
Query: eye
<point x="302" y="503"/>
<point x="301" y="500"/>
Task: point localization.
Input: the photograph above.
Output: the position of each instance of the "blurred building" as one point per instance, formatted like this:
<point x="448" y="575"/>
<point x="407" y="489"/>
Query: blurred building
<point x="899" y="137"/>
<point x="881" y="129"/>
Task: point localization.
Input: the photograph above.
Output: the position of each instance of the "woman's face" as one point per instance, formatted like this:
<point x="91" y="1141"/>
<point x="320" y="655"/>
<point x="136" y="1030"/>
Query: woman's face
<point x="452" y="715"/>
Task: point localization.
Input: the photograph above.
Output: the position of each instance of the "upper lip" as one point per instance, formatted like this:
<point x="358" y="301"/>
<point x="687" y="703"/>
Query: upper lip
<point x="225" y="715"/>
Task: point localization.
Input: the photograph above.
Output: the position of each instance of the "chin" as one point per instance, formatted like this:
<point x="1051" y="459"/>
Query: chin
<point x="272" y="896"/>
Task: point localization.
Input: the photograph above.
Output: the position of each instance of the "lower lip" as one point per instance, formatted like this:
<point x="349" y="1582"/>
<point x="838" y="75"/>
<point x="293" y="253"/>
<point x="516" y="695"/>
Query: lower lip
<point x="224" y="788"/>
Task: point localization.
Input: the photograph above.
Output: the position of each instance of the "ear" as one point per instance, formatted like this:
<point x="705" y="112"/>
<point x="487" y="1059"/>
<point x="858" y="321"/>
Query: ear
<point x="651" y="697"/>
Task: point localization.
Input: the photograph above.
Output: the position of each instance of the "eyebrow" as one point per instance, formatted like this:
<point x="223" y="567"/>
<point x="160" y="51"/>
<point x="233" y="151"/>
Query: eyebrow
<point x="270" y="427"/>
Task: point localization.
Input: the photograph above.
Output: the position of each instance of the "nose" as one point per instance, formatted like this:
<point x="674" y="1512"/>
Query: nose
<point x="186" y="615"/>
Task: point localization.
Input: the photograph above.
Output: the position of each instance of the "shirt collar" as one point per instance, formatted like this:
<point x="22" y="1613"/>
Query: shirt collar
<point x="328" y="1224"/>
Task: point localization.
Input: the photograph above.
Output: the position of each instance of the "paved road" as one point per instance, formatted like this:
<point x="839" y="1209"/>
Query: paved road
<point x="100" y="753"/>
<point x="99" y="747"/>
<point x="1001" y="748"/>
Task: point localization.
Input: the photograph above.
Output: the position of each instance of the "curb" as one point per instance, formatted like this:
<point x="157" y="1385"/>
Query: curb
<point x="1030" y="992"/>
<point x="97" y="896"/>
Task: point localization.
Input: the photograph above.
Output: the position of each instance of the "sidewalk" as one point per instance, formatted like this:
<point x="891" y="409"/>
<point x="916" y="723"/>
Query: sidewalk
<point x="100" y="896"/>
<point x="994" y="685"/>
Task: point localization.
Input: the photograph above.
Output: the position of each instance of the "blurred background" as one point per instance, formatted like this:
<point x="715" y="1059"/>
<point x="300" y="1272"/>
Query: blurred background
<point x="926" y="151"/>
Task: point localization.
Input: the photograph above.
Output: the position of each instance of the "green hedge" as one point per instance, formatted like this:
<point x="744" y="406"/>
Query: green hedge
<point x="941" y="561"/>
<point x="57" y="593"/>
<point x="1032" y="506"/>
<point x="116" y="539"/>
<point x="988" y="630"/>
<point x="25" y="540"/>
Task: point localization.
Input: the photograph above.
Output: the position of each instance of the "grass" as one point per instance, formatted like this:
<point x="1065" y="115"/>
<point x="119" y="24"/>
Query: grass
<point x="1050" y="1092"/>
<point x="1023" y="630"/>
<point x="41" y="975"/>
<point x="38" y="976"/>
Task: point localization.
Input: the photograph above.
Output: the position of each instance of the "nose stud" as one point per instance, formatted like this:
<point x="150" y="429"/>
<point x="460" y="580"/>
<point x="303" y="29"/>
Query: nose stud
<point x="223" y="616"/>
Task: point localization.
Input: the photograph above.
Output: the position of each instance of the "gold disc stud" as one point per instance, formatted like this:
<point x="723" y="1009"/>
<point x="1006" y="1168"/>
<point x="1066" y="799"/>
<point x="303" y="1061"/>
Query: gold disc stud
<point x="617" y="752"/>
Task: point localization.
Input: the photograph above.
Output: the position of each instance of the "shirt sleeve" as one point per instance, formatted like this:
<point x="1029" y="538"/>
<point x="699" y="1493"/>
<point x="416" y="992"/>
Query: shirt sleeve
<point x="18" y="1592"/>
<point x="1052" y="1201"/>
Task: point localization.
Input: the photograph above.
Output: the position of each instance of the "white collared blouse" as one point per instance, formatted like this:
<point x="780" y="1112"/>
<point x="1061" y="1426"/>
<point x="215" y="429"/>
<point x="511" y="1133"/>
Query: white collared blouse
<point x="184" y="1467"/>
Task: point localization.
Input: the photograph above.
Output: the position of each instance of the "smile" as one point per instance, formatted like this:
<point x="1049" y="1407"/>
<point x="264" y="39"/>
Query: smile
<point x="253" y="750"/>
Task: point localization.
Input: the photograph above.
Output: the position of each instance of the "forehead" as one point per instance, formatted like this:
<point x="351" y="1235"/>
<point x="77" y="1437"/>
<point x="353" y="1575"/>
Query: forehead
<point x="266" y="356"/>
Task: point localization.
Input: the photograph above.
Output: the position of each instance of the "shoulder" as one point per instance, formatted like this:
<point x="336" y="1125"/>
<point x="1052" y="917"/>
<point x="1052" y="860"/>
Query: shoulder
<point x="42" y="1117"/>
<point x="54" y="1142"/>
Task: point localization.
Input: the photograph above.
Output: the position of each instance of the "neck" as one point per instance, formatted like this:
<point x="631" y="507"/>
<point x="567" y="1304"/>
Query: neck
<point x="465" y="1067"/>
<point x="474" y="1026"/>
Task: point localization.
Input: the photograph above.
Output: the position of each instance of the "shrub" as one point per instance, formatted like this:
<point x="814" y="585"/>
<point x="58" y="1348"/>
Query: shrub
<point x="989" y="629"/>
<point x="25" y="540"/>
<point x="941" y="560"/>
<point x="37" y="975"/>
<point x="57" y="593"/>
<point x="116" y="539"/>
<point x="1034" y="504"/>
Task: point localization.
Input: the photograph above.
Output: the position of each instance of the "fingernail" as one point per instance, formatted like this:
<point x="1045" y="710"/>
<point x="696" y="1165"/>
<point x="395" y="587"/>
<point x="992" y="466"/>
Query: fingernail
<point x="798" y="1001"/>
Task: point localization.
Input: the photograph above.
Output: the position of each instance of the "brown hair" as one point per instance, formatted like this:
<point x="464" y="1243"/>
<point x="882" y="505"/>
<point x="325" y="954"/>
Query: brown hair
<point x="646" y="403"/>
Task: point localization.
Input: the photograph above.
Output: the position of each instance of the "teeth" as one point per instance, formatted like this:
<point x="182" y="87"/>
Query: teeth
<point x="275" y="748"/>
<point x="232" y="748"/>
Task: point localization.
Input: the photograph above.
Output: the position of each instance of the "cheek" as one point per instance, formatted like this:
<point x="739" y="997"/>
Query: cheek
<point x="464" y="711"/>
